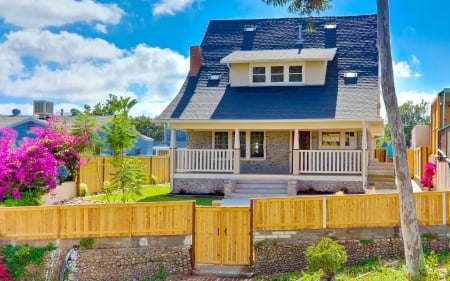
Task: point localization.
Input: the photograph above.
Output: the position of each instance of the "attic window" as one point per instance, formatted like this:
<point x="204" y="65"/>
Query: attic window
<point x="250" y="28"/>
<point x="350" y="75"/>
<point x="214" y="77"/>
<point x="329" y="26"/>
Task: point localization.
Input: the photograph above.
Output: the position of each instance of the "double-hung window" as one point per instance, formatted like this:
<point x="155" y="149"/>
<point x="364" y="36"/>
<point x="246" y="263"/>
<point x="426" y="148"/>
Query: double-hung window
<point x="295" y="73"/>
<point x="276" y="74"/>
<point x="221" y="140"/>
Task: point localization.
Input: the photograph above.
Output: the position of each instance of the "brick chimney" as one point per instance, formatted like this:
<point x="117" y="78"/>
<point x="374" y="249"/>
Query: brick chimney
<point x="196" y="60"/>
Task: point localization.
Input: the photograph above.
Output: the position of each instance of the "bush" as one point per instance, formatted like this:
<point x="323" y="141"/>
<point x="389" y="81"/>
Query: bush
<point x="154" y="179"/>
<point x="327" y="256"/>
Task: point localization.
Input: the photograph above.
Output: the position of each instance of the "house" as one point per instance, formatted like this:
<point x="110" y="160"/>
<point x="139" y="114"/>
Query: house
<point x="291" y="104"/>
<point x="23" y="124"/>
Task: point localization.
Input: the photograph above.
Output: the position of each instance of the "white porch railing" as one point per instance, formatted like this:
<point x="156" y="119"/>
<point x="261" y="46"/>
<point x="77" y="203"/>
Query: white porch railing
<point x="330" y="161"/>
<point x="204" y="160"/>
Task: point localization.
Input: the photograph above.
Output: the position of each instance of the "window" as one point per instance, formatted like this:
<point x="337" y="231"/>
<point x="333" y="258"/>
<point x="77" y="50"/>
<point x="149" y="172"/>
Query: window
<point x="331" y="139"/>
<point x="276" y="74"/>
<point x="338" y="139"/>
<point x="256" y="144"/>
<point x="259" y="74"/>
<point x="295" y="73"/>
<point x="285" y="75"/>
<point x="220" y="140"/>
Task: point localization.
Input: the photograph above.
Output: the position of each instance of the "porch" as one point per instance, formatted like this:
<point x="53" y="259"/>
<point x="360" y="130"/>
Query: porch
<point x="219" y="171"/>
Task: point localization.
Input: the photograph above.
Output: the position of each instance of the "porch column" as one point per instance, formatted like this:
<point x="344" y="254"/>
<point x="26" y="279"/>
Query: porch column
<point x="364" y="154"/>
<point x="237" y="152"/>
<point x="172" y="155"/>
<point x="295" y="154"/>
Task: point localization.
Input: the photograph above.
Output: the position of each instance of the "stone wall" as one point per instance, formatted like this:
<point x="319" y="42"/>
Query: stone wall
<point x="199" y="140"/>
<point x="121" y="258"/>
<point x="352" y="187"/>
<point x="284" y="251"/>
<point x="198" y="186"/>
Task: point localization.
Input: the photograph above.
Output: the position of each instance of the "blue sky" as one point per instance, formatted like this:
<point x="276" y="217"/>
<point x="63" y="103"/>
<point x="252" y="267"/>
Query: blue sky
<point x="78" y="52"/>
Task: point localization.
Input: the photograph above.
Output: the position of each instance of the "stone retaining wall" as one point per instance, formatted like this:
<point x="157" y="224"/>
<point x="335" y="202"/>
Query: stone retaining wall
<point x="284" y="251"/>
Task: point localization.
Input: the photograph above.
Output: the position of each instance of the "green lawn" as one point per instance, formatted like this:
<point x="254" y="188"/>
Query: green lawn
<point x="159" y="193"/>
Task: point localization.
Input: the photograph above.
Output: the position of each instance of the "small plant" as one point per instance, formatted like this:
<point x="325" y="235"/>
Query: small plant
<point x="16" y="258"/>
<point x="366" y="241"/>
<point x="258" y="245"/>
<point x="86" y="242"/>
<point x="161" y="274"/>
<point x="429" y="236"/>
<point x="83" y="190"/>
<point x="327" y="256"/>
<point x="154" y="180"/>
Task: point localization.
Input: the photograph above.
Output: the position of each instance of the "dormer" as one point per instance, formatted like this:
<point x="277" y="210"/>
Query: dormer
<point x="288" y="67"/>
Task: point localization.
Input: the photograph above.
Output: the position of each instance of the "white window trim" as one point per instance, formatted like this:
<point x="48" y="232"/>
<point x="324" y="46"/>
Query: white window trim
<point x="267" y="67"/>
<point x="247" y="143"/>
<point x="341" y="139"/>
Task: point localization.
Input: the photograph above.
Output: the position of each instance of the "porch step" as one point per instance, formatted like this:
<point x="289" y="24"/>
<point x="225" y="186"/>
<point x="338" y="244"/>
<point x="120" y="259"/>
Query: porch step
<point x="262" y="188"/>
<point x="381" y="174"/>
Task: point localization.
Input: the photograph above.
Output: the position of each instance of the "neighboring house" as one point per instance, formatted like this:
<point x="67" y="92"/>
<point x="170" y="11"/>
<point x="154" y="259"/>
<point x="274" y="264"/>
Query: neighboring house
<point x="288" y="100"/>
<point x="23" y="124"/>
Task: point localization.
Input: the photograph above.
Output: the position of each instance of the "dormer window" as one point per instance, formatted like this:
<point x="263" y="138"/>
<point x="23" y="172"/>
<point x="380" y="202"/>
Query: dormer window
<point x="277" y="74"/>
<point x="259" y="74"/>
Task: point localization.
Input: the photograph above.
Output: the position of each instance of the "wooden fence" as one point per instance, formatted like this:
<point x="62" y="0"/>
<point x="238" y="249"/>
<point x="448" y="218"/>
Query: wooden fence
<point x="177" y="218"/>
<point x="98" y="169"/>
<point x="96" y="220"/>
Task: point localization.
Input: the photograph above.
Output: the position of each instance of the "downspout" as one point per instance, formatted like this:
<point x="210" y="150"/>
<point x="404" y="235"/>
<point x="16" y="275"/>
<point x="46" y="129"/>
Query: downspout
<point x="67" y="258"/>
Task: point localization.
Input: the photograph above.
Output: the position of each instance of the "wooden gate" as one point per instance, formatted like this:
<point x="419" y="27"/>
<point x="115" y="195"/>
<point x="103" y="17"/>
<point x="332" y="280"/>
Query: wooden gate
<point x="222" y="236"/>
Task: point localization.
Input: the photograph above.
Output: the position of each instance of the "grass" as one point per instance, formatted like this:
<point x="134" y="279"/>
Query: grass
<point x="159" y="193"/>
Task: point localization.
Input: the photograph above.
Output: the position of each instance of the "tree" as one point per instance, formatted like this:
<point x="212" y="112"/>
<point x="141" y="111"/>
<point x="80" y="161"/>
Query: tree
<point x="410" y="229"/>
<point x="411" y="115"/>
<point x="114" y="105"/>
<point x="146" y="127"/>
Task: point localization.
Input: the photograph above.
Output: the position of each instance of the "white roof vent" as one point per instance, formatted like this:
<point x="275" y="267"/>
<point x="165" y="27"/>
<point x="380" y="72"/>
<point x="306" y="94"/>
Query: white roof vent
<point x="350" y="75"/>
<point x="214" y="77"/>
<point x="250" y="28"/>
<point x="329" y="26"/>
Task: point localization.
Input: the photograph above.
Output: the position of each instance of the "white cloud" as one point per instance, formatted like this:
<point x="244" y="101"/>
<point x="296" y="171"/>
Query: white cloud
<point x="25" y="109"/>
<point x="414" y="96"/>
<point x="403" y="69"/>
<point x="100" y="28"/>
<point x="58" y="47"/>
<point x="79" y="70"/>
<point x="170" y="7"/>
<point x="39" y="14"/>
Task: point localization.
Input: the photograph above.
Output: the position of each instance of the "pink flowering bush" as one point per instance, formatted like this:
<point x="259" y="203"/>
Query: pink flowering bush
<point x="3" y="273"/>
<point x="33" y="166"/>
<point x="428" y="174"/>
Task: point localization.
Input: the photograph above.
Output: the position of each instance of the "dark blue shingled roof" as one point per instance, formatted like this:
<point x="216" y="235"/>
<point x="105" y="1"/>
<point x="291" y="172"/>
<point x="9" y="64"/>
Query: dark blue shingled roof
<point x="354" y="38"/>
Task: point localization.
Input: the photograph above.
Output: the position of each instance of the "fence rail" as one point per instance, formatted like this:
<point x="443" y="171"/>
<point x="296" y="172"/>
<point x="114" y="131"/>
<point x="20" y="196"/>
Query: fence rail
<point x="98" y="169"/>
<point x="204" y="160"/>
<point x="330" y="161"/>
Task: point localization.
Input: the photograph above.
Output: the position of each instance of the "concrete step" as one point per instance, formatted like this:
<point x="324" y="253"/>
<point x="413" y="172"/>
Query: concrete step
<point x="260" y="190"/>
<point x="225" y="271"/>
<point x="257" y="195"/>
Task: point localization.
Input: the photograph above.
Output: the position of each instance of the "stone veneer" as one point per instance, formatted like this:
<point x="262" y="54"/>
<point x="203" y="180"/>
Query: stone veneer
<point x="198" y="186"/>
<point x="285" y="251"/>
<point x="353" y="187"/>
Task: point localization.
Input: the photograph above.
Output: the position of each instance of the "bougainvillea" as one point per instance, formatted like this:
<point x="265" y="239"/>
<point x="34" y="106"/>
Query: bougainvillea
<point x="427" y="178"/>
<point x="33" y="165"/>
<point x="3" y="273"/>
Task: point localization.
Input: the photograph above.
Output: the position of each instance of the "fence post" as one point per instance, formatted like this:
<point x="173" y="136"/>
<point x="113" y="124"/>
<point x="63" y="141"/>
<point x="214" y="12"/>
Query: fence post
<point x="444" y="209"/>
<point x="324" y="210"/>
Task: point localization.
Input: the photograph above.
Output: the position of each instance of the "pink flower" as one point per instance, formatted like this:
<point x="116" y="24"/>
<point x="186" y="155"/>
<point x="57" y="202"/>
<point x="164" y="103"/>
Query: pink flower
<point x="16" y="193"/>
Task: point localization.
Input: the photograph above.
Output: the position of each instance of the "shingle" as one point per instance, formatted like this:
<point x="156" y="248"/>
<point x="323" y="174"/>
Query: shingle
<point x="354" y="39"/>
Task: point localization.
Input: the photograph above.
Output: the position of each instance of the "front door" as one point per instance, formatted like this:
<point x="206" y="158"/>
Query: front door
<point x="304" y="143"/>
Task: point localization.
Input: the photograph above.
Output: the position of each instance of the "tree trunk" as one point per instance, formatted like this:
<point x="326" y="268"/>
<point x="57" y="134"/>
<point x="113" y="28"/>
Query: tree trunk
<point x="409" y="225"/>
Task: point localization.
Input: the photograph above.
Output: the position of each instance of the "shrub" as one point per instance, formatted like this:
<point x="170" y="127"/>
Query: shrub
<point x="86" y="242"/>
<point x="327" y="256"/>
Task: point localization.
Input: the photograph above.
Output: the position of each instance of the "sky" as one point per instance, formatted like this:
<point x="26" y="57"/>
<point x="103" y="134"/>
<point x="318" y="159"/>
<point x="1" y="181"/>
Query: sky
<point x="74" y="53"/>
